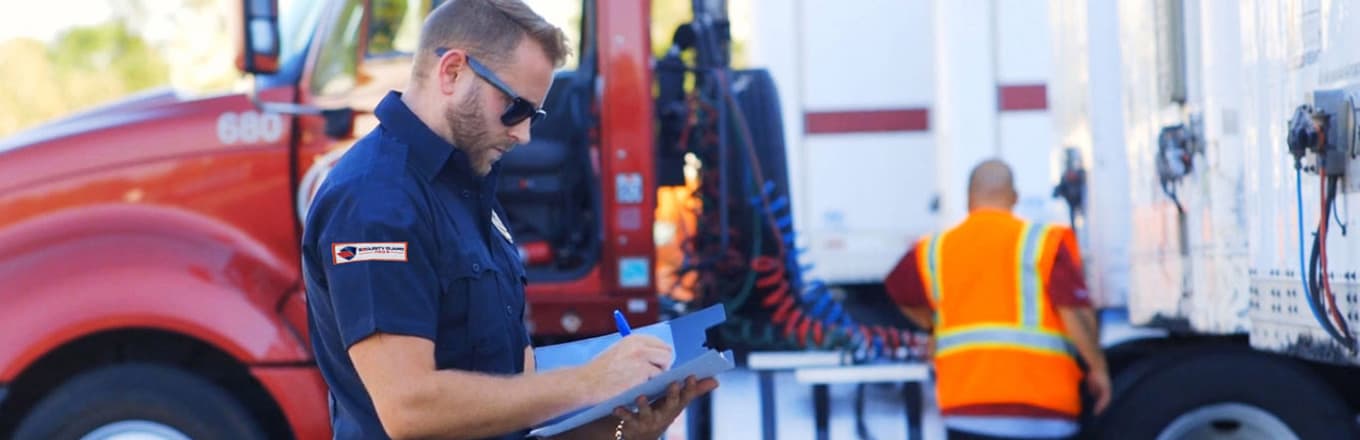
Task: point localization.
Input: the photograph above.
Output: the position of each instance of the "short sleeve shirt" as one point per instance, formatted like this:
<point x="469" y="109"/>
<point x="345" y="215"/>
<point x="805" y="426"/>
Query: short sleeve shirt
<point x="404" y="238"/>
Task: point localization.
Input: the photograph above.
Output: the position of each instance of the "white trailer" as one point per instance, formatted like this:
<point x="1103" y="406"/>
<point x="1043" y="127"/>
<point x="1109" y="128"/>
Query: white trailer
<point x="1195" y="219"/>
<point x="1178" y="112"/>
<point x="887" y="105"/>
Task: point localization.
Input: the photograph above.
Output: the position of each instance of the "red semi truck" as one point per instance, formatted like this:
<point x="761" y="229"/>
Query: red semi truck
<point x="149" y="249"/>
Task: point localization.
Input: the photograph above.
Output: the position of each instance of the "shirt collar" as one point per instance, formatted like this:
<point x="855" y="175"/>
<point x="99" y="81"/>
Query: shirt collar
<point x="429" y="153"/>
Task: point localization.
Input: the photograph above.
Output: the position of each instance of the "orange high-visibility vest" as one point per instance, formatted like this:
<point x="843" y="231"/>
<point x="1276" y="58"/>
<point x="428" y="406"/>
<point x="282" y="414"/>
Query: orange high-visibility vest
<point x="998" y="340"/>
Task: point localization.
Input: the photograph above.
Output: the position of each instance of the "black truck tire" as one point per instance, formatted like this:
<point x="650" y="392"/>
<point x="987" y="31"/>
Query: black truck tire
<point x="1223" y="393"/>
<point x="161" y="401"/>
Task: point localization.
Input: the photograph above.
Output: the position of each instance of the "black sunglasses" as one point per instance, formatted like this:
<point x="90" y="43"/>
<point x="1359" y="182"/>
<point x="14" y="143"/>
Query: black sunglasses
<point x="519" y="108"/>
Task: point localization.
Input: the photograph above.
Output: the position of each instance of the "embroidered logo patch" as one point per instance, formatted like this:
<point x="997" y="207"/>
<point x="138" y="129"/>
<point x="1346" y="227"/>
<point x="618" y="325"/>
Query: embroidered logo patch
<point x="356" y="252"/>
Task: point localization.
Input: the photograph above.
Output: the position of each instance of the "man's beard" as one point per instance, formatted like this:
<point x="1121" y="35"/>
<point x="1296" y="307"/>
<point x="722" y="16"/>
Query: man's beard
<point x="469" y="133"/>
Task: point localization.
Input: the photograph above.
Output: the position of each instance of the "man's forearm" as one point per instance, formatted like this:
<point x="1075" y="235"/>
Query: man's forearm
<point x="1085" y="334"/>
<point x="461" y="404"/>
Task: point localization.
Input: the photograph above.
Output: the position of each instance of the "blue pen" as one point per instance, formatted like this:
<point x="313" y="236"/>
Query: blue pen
<point x="622" y="322"/>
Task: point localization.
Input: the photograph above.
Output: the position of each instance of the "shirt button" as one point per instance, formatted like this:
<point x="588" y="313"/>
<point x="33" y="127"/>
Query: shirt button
<point x="507" y="310"/>
<point x="476" y="267"/>
<point x="467" y="194"/>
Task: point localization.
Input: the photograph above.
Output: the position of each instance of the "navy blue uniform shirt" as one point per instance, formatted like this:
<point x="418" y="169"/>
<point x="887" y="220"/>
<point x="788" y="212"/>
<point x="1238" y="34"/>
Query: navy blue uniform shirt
<point x="401" y="239"/>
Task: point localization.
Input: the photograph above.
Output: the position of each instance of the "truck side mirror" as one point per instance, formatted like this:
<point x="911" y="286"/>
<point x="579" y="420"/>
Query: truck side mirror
<point x="339" y="122"/>
<point x="258" y="41"/>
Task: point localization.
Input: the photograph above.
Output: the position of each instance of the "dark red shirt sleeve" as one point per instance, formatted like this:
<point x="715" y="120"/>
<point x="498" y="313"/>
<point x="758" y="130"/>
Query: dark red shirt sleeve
<point x="905" y="285"/>
<point x="1066" y="283"/>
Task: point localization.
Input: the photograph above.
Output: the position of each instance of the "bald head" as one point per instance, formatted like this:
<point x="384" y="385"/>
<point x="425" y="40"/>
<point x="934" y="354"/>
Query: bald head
<point x="991" y="185"/>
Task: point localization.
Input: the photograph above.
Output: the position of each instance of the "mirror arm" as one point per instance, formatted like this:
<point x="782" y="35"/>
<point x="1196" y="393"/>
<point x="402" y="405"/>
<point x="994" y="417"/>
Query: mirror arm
<point x="339" y="121"/>
<point x="284" y="108"/>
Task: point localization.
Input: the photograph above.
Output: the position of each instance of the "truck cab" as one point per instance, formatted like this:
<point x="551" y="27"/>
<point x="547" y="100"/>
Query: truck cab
<point x="151" y="246"/>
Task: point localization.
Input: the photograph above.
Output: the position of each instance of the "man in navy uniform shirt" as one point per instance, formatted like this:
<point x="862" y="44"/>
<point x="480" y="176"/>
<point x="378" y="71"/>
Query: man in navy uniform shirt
<point x="415" y="292"/>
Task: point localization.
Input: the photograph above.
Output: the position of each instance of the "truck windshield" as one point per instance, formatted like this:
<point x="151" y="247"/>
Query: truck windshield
<point x="297" y="20"/>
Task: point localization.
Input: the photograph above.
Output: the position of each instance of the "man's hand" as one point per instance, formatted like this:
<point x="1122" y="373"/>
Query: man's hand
<point x="652" y="419"/>
<point x="1098" y="384"/>
<point x="1084" y="331"/>
<point x="627" y="364"/>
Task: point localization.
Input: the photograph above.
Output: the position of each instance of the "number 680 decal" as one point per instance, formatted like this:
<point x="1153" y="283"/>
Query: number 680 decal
<point x="249" y="127"/>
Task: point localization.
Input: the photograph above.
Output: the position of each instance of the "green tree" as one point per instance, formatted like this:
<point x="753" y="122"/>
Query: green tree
<point x="82" y="67"/>
<point x="30" y="95"/>
<point x="667" y="15"/>
<point x="384" y="24"/>
<point x="109" y="48"/>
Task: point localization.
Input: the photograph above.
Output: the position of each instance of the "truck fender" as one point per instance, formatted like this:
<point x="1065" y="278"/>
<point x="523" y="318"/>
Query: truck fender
<point x="93" y="269"/>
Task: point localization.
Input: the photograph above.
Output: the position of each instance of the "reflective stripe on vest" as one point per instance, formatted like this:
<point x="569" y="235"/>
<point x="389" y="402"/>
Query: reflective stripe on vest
<point x="933" y="268"/>
<point x="1030" y="284"/>
<point x="1002" y="336"/>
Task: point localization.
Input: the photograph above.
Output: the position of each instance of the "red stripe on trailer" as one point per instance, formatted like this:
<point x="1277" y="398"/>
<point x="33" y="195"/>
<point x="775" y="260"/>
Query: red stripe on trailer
<point x="867" y="121"/>
<point x="1022" y="97"/>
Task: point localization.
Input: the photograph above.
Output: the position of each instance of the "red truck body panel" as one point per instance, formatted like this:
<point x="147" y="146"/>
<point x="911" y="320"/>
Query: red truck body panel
<point x="156" y="213"/>
<point x="164" y="153"/>
<point x="112" y="267"/>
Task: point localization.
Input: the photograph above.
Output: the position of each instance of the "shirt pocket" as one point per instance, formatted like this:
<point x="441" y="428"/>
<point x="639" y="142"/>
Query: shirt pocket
<point x="467" y="323"/>
<point x="489" y="315"/>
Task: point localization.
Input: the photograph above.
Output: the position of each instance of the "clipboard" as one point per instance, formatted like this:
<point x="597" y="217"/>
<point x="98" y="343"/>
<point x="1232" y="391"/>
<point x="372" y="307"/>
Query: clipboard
<point x="686" y="336"/>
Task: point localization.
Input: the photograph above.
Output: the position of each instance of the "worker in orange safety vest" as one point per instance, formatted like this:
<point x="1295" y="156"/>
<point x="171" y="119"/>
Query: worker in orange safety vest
<point x="1006" y="301"/>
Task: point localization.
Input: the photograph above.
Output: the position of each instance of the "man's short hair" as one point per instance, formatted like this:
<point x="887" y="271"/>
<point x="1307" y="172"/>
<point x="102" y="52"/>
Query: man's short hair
<point x="488" y="30"/>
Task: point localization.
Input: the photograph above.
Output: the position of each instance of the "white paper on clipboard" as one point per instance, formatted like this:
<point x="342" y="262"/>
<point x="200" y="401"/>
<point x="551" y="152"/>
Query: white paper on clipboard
<point x="686" y="335"/>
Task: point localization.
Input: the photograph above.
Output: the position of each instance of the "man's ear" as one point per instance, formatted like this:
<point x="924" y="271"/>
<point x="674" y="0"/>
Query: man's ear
<point x="452" y="64"/>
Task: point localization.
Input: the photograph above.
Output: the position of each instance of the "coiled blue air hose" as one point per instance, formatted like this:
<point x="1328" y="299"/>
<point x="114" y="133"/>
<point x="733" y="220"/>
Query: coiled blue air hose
<point x="814" y="296"/>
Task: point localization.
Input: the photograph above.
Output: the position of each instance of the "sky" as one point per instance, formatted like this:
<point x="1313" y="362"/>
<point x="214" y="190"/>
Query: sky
<point x="555" y="10"/>
<point x="43" y="20"/>
<point x="198" y="57"/>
